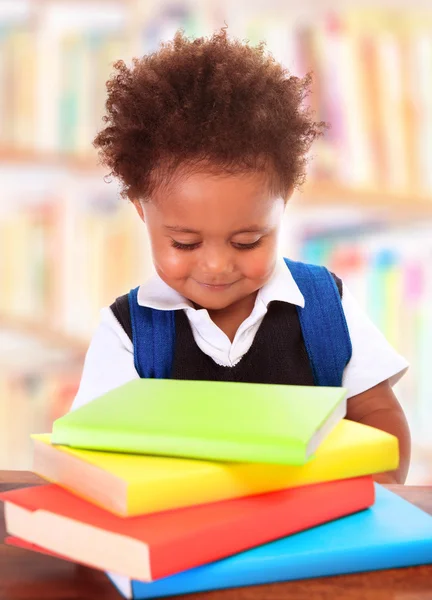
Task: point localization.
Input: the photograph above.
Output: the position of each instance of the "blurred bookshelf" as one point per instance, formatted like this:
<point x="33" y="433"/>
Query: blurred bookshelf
<point x="69" y="245"/>
<point x="42" y="331"/>
<point x="389" y="272"/>
<point x="38" y="381"/>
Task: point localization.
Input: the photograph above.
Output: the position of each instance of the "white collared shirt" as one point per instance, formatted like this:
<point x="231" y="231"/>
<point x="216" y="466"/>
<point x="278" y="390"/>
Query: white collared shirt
<point x="109" y="361"/>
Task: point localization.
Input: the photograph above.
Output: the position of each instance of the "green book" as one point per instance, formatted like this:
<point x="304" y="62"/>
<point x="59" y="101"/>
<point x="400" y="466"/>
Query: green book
<point x="227" y="421"/>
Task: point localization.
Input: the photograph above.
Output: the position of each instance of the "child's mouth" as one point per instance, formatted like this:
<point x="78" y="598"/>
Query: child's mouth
<point x="219" y="287"/>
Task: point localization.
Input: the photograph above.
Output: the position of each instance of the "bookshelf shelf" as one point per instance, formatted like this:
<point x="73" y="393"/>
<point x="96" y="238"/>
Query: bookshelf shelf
<point x="31" y="158"/>
<point x="315" y="194"/>
<point x="38" y="329"/>
<point x="328" y="195"/>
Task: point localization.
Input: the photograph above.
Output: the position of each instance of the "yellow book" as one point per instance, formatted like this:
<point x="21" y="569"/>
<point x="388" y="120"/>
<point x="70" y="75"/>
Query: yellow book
<point x="132" y="484"/>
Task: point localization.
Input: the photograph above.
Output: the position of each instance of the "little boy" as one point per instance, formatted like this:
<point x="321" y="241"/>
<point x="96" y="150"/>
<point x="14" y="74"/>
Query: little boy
<point x="209" y="139"/>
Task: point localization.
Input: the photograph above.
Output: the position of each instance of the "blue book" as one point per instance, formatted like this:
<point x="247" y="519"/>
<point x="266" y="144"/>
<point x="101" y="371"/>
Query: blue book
<point x="393" y="533"/>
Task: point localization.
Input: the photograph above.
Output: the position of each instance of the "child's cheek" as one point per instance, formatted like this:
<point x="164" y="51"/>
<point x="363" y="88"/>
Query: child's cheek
<point x="169" y="262"/>
<point x="175" y="264"/>
<point x="259" y="264"/>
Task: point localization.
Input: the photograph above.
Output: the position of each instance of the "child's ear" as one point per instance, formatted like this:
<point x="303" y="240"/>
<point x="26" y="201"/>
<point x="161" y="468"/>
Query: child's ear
<point x="139" y="209"/>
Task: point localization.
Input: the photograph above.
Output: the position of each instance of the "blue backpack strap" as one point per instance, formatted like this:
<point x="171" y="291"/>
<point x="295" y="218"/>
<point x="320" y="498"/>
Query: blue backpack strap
<point x="153" y="338"/>
<point x="323" y="323"/>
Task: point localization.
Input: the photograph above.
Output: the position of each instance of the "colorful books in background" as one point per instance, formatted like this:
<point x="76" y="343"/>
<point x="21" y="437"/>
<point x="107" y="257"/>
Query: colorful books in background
<point x="133" y="484"/>
<point x="41" y="235"/>
<point x="391" y="534"/>
<point x="79" y="58"/>
<point x="277" y="424"/>
<point x="154" y="546"/>
<point x="389" y="274"/>
<point x="371" y="72"/>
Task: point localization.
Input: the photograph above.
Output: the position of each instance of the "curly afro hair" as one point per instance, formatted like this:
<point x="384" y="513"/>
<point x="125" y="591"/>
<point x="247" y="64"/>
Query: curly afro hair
<point x="210" y="104"/>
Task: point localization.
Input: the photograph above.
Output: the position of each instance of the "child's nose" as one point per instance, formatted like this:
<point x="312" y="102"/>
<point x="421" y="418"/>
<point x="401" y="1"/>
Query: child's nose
<point x="216" y="260"/>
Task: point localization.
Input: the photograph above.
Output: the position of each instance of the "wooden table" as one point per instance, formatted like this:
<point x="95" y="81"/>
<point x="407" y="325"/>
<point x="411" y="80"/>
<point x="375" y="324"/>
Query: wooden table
<point x="25" y="575"/>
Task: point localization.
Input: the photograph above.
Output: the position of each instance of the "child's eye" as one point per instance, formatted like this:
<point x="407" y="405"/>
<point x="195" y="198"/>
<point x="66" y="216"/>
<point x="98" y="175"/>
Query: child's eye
<point x="180" y="246"/>
<point x="248" y="246"/>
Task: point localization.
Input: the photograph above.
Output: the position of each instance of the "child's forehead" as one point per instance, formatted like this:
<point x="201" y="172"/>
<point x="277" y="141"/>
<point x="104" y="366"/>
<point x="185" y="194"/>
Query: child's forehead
<point x="199" y="186"/>
<point x="209" y="202"/>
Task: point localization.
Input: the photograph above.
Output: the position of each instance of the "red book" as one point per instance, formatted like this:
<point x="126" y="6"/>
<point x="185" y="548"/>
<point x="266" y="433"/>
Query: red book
<point x="157" y="545"/>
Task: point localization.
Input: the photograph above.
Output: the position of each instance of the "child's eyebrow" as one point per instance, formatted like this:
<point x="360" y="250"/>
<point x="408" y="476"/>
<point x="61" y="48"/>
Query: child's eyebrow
<point x="180" y="229"/>
<point x="251" y="229"/>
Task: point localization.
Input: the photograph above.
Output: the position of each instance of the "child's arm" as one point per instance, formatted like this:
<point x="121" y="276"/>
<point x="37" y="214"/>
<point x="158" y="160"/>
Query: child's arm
<point x="109" y="361"/>
<point x="380" y="408"/>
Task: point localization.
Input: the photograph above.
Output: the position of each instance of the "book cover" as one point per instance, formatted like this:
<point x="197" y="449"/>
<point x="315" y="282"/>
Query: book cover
<point x="154" y="546"/>
<point x="134" y="484"/>
<point x="232" y="421"/>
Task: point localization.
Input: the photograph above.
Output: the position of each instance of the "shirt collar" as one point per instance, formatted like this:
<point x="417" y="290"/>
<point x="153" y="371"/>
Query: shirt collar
<point x="155" y="293"/>
<point x="281" y="287"/>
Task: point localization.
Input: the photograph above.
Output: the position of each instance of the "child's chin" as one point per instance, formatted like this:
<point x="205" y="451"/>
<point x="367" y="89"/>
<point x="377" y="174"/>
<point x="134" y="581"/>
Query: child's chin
<point x="214" y="305"/>
<point x="213" y="301"/>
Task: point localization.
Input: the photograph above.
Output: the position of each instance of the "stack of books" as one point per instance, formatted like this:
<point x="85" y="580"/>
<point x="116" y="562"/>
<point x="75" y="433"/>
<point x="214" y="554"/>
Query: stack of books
<point x="174" y="487"/>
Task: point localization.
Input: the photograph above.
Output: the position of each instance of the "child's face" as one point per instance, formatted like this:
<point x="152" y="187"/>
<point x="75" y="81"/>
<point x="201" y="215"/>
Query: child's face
<point x="214" y="239"/>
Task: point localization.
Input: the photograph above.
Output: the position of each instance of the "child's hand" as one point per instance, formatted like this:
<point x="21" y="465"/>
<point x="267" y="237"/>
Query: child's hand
<point x="385" y="478"/>
<point x="379" y="407"/>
